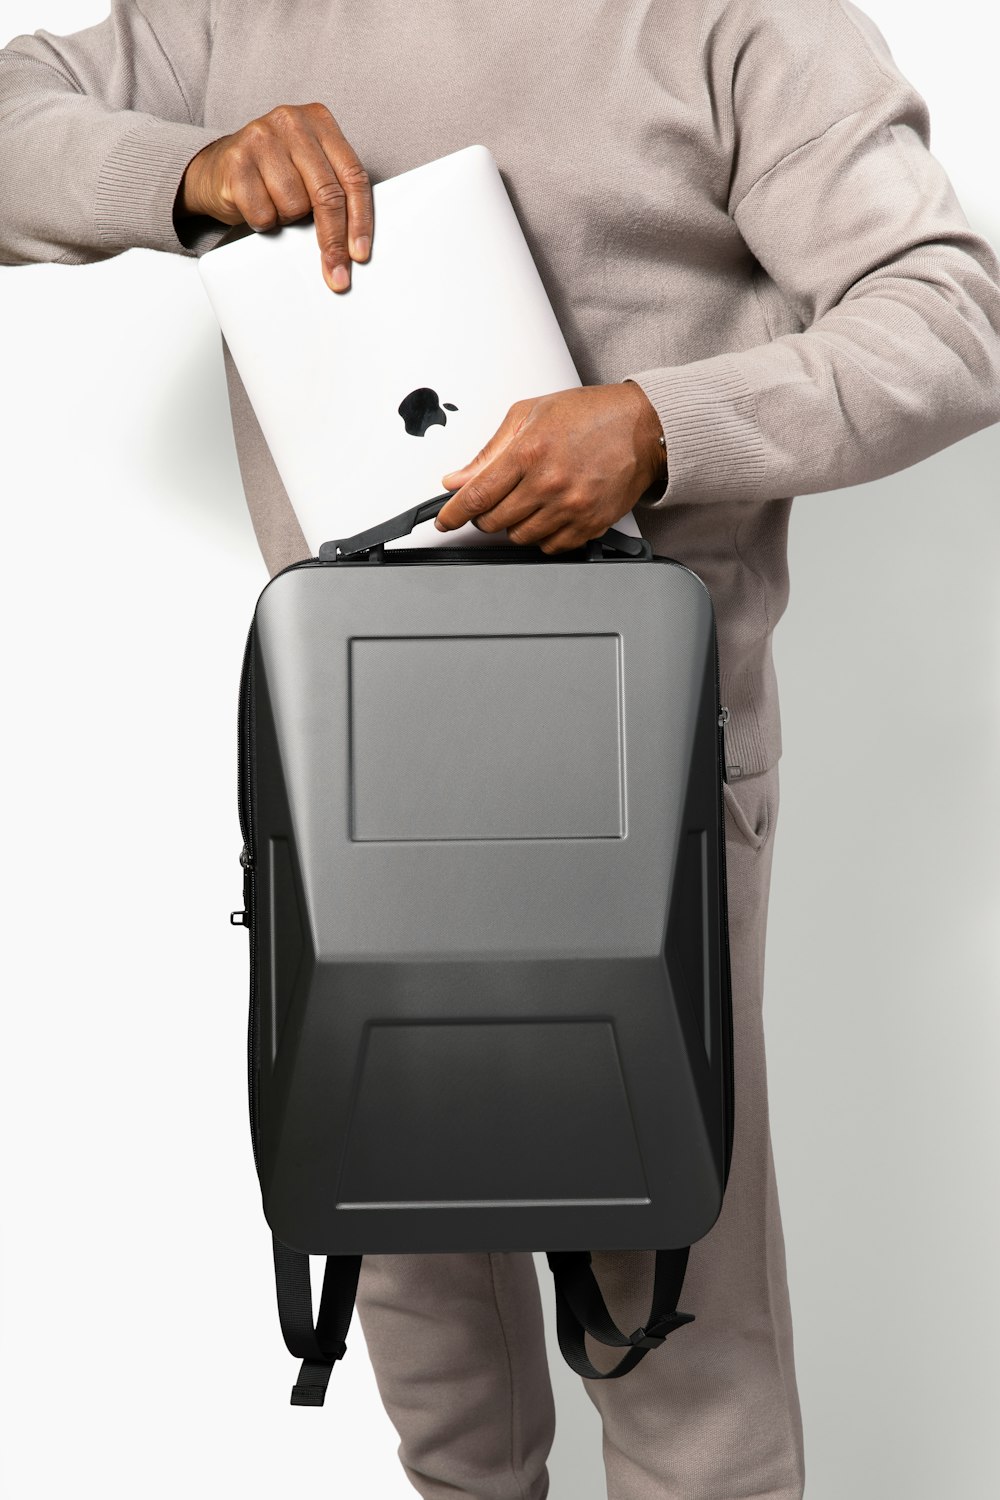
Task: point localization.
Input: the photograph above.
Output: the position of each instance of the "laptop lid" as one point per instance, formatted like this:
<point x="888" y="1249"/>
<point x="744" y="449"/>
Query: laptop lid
<point x="366" y="397"/>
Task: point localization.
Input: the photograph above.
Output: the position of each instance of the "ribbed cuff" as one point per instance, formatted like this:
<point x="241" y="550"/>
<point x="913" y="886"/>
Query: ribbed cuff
<point x="715" y="450"/>
<point x="138" y="183"/>
<point x="752" y="734"/>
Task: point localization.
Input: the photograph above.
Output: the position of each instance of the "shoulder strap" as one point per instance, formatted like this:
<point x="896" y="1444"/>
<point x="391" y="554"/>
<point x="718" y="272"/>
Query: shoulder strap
<point x="319" y="1345"/>
<point x="580" y="1309"/>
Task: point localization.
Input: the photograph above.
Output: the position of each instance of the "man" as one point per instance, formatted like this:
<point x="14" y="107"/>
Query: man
<point x="753" y="256"/>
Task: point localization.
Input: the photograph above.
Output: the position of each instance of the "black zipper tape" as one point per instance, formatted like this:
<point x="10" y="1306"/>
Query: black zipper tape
<point x="248" y="859"/>
<point x="727" y="981"/>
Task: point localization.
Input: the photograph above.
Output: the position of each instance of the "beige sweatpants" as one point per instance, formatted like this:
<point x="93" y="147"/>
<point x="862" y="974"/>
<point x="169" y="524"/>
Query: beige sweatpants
<point x="457" y="1345"/>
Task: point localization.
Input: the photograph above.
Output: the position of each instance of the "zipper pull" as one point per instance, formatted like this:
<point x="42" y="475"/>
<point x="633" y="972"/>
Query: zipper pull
<point x="242" y="918"/>
<point x="722" y="721"/>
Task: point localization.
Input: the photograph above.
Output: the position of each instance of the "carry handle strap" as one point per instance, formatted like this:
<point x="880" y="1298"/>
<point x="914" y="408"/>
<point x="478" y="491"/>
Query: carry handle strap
<point x="581" y="1308"/>
<point x="319" y="1345"/>
<point x="386" y="531"/>
<point x="403" y="524"/>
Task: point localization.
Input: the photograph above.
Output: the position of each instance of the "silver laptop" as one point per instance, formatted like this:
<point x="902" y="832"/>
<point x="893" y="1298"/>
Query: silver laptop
<point x="367" y="397"/>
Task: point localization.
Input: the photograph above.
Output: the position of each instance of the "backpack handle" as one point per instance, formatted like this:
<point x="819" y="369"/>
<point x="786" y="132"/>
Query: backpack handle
<point x="403" y="524"/>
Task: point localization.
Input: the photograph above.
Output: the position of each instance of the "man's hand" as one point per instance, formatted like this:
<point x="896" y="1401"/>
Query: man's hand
<point x="280" y="167"/>
<point x="561" y="468"/>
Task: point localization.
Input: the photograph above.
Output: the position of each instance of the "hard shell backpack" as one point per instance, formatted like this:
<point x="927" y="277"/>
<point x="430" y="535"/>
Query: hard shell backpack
<point x="480" y="792"/>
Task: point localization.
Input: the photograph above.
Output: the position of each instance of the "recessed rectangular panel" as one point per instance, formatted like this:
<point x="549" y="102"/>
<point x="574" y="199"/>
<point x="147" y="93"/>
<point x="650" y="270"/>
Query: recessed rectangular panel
<point x="486" y="737"/>
<point x="485" y="1112"/>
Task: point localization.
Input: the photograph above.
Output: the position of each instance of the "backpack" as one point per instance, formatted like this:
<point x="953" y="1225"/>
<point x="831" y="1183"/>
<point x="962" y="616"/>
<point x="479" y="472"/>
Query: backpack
<point x="480" y="794"/>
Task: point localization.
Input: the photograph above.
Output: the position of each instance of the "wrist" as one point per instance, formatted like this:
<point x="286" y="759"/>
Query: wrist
<point x="188" y="203"/>
<point x="651" y="440"/>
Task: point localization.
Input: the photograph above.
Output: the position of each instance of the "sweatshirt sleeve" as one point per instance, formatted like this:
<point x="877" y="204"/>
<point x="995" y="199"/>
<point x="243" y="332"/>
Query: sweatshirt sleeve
<point x="835" y="192"/>
<point x="96" y="130"/>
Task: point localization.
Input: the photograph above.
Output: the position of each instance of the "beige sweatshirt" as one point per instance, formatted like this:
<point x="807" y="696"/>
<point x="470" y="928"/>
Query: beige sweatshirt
<point x="731" y="201"/>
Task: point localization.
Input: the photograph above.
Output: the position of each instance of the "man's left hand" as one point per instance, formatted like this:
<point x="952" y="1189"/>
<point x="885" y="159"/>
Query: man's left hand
<point x="562" y="468"/>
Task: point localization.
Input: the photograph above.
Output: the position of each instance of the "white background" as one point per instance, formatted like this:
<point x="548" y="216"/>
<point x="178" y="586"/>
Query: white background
<point x="141" y="1348"/>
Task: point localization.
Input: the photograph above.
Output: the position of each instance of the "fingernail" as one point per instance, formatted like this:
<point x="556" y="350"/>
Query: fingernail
<point x="361" y="247"/>
<point x="340" y="278"/>
<point x="439" y="526"/>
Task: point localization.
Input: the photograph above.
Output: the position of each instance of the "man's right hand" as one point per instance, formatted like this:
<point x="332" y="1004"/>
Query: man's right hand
<point x="280" y="167"/>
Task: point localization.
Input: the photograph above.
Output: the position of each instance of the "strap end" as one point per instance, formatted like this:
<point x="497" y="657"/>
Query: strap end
<point x="308" y="1395"/>
<point x="314" y="1378"/>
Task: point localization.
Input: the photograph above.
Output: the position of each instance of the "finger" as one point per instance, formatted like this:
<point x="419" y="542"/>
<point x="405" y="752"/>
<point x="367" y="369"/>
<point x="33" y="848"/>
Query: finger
<point x="482" y="492"/>
<point x="535" y="528"/>
<point x="553" y="518"/>
<point x="565" y="539"/>
<point x="250" y="195"/>
<point x="284" y="183"/>
<point x="342" y="200"/>
<point x="517" y="508"/>
<point x="515" y="531"/>
<point x="325" y="198"/>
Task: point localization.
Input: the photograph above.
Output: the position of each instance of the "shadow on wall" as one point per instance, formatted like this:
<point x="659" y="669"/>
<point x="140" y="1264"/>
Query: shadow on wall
<point x="189" y="445"/>
<point x="882" y="977"/>
<point x="911" y="556"/>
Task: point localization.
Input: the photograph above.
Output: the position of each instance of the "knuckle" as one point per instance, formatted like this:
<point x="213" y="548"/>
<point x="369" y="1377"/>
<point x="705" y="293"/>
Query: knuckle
<point x="293" y="206"/>
<point x="354" y="175"/>
<point x="329" y="194"/>
<point x="259" y="217"/>
<point x="552" y="481"/>
<point x="253" y="136"/>
<point x="531" y="450"/>
<point x="475" y="499"/>
<point x="317" y="111"/>
<point x="284" y="117"/>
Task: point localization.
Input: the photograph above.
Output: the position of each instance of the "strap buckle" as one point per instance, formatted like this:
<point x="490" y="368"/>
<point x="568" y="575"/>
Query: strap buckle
<point x="653" y="1336"/>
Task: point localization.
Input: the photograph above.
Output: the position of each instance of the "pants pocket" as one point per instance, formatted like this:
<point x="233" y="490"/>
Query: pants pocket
<point x="751" y="804"/>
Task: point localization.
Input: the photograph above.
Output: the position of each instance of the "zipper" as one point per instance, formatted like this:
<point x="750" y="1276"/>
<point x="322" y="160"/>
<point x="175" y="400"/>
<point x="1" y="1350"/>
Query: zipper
<point x="458" y="554"/>
<point x="722" y="718"/>
<point x="379" y="555"/>
<point x="243" y="770"/>
<point x="247" y="858"/>
<point x="397" y="555"/>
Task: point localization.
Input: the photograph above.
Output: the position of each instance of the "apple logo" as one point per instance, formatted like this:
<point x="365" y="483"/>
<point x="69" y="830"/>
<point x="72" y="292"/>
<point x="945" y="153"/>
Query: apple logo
<point x="422" y="409"/>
